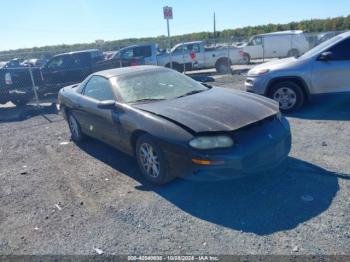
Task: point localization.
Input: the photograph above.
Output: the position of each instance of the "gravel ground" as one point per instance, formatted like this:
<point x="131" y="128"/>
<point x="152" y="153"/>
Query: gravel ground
<point x="60" y="198"/>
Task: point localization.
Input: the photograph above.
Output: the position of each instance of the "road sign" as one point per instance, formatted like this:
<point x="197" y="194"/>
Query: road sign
<point x="168" y="12"/>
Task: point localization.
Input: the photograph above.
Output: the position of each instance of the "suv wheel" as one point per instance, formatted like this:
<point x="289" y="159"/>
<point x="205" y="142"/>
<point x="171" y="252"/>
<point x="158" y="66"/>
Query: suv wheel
<point x="289" y="95"/>
<point x="151" y="160"/>
<point x="77" y="134"/>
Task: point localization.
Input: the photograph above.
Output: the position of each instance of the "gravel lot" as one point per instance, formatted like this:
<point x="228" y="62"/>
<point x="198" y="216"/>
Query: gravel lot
<point x="60" y="198"/>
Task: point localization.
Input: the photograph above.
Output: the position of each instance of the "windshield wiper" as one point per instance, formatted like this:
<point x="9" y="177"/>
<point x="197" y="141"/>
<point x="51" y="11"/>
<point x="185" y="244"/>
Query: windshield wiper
<point x="147" y="100"/>
<point x="191" y="93"/>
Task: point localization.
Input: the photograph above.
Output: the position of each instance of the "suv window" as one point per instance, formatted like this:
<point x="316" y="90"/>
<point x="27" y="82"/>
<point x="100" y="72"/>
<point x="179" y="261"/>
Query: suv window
<point x="341" y="51"/>
<point x="142" y="51"/>
<point x="99" y="88"/>
<point x="80" y="60"/>
<point x="60" y="62"/>
<point x="256" y="41"/>
<point x="127" y="53"/>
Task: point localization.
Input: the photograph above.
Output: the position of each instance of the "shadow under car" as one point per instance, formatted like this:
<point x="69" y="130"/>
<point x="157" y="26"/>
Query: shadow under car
<point x="262" y="204"/>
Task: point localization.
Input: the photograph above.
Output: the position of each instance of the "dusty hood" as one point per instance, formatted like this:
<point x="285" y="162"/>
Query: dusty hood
<point x="272" y="65"/>
<point x="217" y="109"/>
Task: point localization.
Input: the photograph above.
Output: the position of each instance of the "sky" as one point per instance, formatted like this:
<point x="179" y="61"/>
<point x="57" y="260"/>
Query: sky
<point x="29" y="23"/>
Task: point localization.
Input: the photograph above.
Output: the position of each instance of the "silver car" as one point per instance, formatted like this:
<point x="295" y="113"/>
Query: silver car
<point x="292" y="81"/>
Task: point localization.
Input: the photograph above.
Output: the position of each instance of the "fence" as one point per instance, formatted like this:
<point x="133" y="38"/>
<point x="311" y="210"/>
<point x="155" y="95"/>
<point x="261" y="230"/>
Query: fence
<point x="26" y="78"/>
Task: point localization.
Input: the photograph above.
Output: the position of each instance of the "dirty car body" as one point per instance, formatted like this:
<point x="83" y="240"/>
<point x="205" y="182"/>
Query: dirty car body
<point x="199" y="130"/>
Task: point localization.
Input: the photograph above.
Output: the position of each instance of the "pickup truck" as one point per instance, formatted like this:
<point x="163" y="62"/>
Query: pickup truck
<point x="194" y="55"/>
<point x="61" y="70"/>
<point x="186" y="56"/>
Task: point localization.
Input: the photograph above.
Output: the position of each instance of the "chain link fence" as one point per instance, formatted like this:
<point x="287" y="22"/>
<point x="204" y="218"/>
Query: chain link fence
<point x="36" y="77"/>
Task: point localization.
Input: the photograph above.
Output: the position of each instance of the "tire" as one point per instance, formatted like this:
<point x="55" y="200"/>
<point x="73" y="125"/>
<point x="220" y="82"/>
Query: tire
<point x="75" y="129"/>
<point x="222" y="66"/>
<point x="148" y="151"/>
<point x="20" y="102"/>
<point x="177" y="67"/>
<point x="293" y="53"/>
<point x="246" y="59"/>
<point x="289" y="95"/>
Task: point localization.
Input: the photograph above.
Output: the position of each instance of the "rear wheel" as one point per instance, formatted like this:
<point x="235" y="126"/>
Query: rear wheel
<point x="289" y="95"/>
<point x="223" y="66"/>
<point x="177" y="67"/>
<point x="77" y="134"/>
<point x="246" y="59"/>
<point x="151" y="160"/>
<point x="20" y="102"/>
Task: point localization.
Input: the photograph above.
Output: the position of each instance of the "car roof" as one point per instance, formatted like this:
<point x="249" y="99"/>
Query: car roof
<point x="129" y="70"/>
<point x="345" y="34"/>
<point x="80" y="51"/>
<point x="288" y="32"/>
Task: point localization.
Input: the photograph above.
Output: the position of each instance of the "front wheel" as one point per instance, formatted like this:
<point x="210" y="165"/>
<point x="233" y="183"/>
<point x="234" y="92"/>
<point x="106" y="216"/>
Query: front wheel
<point x="151" y="160"/>
<point x="77" y="134"/>
<point x="289" y="95"/>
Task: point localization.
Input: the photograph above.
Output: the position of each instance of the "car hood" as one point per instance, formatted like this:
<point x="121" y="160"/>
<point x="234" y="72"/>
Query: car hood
<point x="215" y="110"/>
<point x="274" y="65"/>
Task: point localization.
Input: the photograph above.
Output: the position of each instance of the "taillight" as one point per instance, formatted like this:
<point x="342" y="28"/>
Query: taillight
<point x="241" y="53"/>
<point x="134" y="62"/>
<point x="8" y="79"/>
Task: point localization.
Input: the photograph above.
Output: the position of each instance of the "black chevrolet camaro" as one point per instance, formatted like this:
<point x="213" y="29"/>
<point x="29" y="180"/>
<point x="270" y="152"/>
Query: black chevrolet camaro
<point x="175" y="126"/>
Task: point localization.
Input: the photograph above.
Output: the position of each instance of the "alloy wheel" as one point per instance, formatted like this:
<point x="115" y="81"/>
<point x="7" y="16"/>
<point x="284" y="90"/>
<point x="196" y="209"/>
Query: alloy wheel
<point x="73" y="125"/>
<point x="149" y="160"/>
<point x="286" y="97"/>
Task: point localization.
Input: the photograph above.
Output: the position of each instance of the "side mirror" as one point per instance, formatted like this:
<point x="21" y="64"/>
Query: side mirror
<point x="107" y="104"/>
<point x="325" y="56"/>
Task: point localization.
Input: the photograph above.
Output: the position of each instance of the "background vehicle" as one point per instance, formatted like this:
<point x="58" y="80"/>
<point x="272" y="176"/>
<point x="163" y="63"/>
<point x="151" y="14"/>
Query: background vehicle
<point x="194" y="55"/>
<point x="34" y="62"/>
<point x="14" y="63"/>
<point x="324" y="69"/>
<point x="276" y="45"/>
<point x="184" y="56"/>
<point x="61" y="70"/>
<point x="166" y="120"/>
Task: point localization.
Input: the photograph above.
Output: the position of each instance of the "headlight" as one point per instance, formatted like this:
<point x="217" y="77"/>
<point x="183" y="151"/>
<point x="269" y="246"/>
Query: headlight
<point x="259" y="72"/>
<point x="211" y="142"/>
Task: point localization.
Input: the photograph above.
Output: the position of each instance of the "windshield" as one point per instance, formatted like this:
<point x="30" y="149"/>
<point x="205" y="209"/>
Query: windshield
<point x="158" y="85"/>
<point x="321" y="46"/>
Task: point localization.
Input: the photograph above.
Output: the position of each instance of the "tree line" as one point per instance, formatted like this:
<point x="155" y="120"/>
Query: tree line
<point x="228" y="35"/>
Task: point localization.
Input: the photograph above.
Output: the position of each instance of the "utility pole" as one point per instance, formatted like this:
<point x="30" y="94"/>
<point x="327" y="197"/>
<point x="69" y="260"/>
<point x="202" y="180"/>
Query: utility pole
<point x="168" y="14"/>
<point x="214" y="30"/>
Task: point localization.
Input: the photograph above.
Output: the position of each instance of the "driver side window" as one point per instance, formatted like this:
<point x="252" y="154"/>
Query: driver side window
<point x="60" y="62"/>
<point x="99" y="88"/>
<point x="256" y="41"/>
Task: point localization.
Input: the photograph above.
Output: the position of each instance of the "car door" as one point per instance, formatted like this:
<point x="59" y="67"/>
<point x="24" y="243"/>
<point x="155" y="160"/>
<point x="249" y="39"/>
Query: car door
<point x="100" y="123"/>
<point x="80" y="68"/>
<point x="255" y="47"/>
<point x="333" y="75"/>
<point x="56" y="71"/>
<point x="144" y="54"/>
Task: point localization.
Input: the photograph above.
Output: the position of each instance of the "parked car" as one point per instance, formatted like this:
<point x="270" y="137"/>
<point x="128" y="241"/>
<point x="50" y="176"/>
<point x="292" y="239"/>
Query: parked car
<point x="176" y="126"/>
<point x="59" y="71"/>
<point x="139" y="54"/>
<point x="35" y="62"/>
<point x="276" y="45"/>
<point x="325" y="69"/>
<point x="14" y="63"/>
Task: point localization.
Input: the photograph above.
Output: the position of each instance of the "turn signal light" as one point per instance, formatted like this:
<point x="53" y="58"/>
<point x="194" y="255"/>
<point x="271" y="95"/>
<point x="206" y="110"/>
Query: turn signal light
<point x="207" y="162"/>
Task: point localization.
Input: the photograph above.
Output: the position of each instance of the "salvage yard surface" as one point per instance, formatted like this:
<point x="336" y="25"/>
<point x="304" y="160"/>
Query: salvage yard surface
<point x="61" y="198"/>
